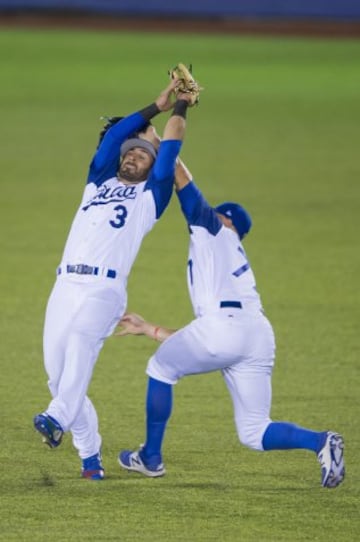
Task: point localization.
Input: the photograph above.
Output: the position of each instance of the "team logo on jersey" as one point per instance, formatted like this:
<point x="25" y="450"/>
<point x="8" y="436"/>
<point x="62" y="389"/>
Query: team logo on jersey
<point x="107" y="194"/>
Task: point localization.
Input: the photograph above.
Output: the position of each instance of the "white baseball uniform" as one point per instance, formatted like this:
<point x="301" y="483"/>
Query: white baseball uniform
<point x="230" y="332"/>
<point x="89" y="296"/>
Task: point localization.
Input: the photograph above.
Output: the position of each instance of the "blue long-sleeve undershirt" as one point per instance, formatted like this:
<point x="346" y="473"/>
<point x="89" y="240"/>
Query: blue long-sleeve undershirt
<point x="196" y="209"/>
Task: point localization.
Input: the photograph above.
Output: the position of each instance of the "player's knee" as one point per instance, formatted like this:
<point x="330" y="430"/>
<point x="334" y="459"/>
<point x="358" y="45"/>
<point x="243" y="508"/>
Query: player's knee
<point x="160" y="371"/>
<point x="251" y="434"/>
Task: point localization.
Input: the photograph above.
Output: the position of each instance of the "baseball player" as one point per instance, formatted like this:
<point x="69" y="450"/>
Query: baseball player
<point x="120" y="205"/>
<point x="230" y="333"/>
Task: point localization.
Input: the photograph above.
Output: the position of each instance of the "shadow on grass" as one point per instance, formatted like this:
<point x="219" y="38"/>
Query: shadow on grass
<point x="46" y="480"/>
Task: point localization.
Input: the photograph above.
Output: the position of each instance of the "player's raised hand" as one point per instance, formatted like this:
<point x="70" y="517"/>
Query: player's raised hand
<point x="185" y="96"/>
<point x="165" y="99"/>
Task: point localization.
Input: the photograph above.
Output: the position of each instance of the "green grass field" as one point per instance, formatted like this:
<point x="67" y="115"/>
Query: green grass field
<point x="277" y="129"/>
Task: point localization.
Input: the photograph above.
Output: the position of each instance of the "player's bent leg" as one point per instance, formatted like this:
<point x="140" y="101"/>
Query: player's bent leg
<point x="328" y="446"/>
<point x="250" y="390"/>
<point x="288" y="436"/>
<point x="158" y="370"/>
<point x="257" y="431"/>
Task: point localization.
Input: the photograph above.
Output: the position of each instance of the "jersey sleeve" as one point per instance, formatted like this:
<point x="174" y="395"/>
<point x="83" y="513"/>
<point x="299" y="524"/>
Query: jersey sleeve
<point x="196" y="209"/>
<point x="161" y="178"/>
<point x="105" y="162"/>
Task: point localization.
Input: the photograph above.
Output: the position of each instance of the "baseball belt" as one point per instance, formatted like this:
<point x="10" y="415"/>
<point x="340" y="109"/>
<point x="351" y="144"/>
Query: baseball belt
<point x="83" y="269"/>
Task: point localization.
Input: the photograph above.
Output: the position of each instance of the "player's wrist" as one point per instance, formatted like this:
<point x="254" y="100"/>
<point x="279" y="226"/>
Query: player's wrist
<point x="150" y="111"/>
<point x="156" y="333"/>
<point x="180" y="108"/>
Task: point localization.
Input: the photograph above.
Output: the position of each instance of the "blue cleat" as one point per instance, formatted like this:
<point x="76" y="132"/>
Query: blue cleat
<point x="92" y="468"/>
<point x="133" y="461"/>
<point x="50" y="429"/>
<point x="331" y="459"/>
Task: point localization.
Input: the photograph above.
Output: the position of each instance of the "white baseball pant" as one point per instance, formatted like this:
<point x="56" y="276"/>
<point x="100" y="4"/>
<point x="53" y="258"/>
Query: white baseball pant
<point x="81" y="313"/>
<point x="238" y="342"/>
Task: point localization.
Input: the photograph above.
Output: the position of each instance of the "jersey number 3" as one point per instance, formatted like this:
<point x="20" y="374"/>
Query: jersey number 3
<point x="119" y="217"/>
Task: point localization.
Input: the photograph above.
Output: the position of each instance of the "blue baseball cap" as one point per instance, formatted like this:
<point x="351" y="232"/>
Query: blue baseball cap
<point x="238" y="215"/>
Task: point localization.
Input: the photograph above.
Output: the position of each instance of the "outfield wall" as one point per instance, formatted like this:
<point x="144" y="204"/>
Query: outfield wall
<point x="328" y="10"/>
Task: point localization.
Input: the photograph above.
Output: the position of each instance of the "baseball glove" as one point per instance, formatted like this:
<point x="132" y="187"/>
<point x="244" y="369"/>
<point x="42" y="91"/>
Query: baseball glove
<point x="186" y="83"/>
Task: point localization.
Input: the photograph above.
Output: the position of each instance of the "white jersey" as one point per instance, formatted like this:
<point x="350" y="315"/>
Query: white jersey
<point x="109" y="226"/>
<point x="114" y="217"/>
<point x="219" y="271"/>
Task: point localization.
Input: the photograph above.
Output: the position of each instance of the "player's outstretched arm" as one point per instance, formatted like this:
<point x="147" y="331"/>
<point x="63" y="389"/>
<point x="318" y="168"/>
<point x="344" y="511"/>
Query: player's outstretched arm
<point x="194" y="206"/>
<point x="161" y="179"/>
<point x="164" y="101"/>
<point x="182" y="175"/>
<point x="134" y="324"/>
<point x="175" y="126"/>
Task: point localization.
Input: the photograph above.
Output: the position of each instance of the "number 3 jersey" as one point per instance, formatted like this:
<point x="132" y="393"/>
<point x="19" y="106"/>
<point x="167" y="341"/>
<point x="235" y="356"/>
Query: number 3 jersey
<point x="218" y="268"/>
<point x="113" y="217"/>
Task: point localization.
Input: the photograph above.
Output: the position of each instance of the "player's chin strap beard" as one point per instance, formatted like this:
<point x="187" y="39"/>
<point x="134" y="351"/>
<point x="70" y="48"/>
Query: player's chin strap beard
<point x="132" y="178"/>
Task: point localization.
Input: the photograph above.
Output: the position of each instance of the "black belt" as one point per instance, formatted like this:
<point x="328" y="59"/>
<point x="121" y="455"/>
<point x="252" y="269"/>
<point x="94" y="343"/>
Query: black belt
<point x="82" y="269"/>
<point x="233" y="304"/>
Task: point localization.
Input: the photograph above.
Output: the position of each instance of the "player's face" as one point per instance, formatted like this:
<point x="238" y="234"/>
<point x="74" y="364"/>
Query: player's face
<point x="135" y="166"/>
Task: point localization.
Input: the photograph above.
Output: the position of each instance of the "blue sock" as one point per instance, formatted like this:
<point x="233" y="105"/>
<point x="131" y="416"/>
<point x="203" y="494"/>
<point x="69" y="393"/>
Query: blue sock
<point x="158" y="411"/>
<point x="288" y="436"/>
